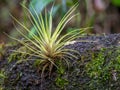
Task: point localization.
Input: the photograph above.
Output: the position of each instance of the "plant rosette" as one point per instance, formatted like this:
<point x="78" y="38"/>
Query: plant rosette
<point x="47" y="45"/>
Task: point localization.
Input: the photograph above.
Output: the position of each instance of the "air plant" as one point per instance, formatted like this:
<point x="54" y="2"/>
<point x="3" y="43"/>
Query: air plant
<point x="48" y="45"/>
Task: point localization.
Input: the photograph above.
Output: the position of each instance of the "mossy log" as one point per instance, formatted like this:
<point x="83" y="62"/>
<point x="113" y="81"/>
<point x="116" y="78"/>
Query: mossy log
<point x="24" y="76"/>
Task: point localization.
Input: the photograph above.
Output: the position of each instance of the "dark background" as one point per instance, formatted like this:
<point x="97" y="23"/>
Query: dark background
<point x="103" y="15"/>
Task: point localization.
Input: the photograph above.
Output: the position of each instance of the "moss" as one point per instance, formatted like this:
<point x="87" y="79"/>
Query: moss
<point x="104" y="68"/>
<point x="60" y="80"/>
<point x="15" y="55"/>
<point x="2" y="78"/>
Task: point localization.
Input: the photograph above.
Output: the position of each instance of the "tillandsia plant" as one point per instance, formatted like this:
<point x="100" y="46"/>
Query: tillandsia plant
<point x="48" y="44"/>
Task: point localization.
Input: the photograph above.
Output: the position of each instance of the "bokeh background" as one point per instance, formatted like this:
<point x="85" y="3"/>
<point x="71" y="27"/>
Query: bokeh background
<point x="102" y="15"/>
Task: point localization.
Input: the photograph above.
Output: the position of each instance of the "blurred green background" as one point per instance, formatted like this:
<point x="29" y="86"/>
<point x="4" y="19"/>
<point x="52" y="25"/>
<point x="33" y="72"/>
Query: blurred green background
<point x="103" y="15"/>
